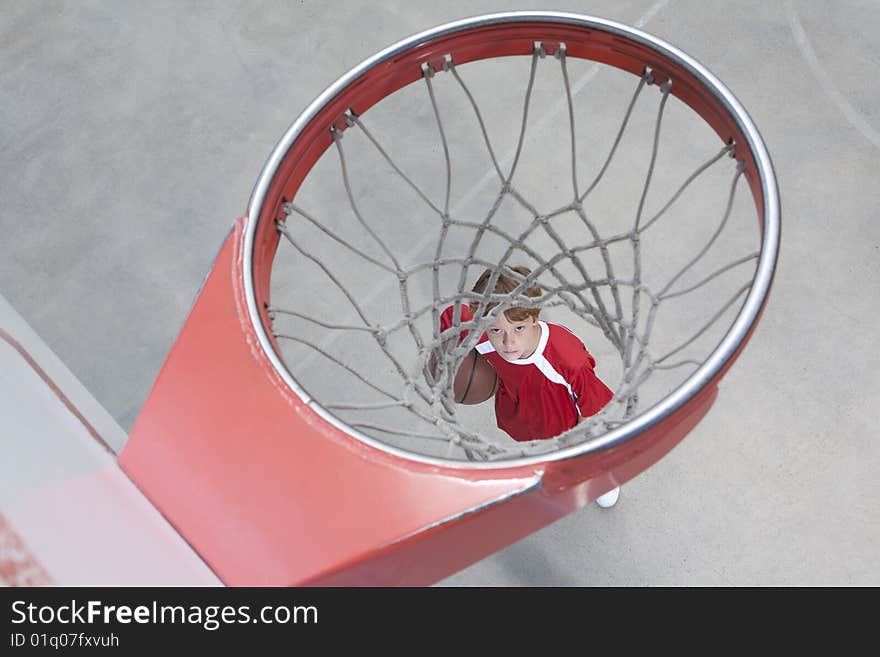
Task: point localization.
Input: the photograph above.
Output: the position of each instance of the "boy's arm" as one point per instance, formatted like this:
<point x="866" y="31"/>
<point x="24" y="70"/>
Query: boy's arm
<point x="447" y="316"/>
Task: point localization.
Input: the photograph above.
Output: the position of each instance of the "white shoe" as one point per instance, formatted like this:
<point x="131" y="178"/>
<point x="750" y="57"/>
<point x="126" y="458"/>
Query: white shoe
<point x="609" y="499"/>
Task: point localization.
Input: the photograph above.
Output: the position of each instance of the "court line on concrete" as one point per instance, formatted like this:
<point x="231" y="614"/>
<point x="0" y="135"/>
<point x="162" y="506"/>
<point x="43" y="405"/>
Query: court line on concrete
<point x="809" y="55"/>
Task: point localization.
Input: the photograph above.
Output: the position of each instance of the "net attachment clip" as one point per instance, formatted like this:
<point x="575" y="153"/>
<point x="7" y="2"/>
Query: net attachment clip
<point x="342" y="122"/>
<point x="436" y="64"/>
<point x="553" y="48"/>
<point x="662" y="80"/>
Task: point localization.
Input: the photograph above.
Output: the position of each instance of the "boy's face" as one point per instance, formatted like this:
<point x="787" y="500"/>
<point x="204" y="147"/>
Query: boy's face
<point x="514" y="340"/>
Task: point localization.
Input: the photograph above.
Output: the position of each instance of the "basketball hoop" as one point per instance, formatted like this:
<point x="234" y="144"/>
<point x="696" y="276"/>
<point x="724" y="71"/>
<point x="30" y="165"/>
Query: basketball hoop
<point x="269" y="404"/>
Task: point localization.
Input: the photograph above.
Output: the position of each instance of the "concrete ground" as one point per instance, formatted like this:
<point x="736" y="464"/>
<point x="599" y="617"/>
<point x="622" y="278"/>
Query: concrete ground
<point x="131" y="137"/>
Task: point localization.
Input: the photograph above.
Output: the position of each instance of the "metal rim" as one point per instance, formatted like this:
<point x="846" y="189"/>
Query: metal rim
<point x="714" y="364"/>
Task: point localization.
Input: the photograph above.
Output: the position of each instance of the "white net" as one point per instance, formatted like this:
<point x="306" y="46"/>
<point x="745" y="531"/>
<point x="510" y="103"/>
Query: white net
<point x="622" y="203"/>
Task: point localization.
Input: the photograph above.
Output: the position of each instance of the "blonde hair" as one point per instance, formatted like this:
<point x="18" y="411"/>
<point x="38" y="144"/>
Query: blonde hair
<point x="505" y="285"/>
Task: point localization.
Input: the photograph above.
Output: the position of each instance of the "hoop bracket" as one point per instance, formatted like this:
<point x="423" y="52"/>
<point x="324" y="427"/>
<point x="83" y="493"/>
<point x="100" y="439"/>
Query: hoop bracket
<point x="249" y="475"/>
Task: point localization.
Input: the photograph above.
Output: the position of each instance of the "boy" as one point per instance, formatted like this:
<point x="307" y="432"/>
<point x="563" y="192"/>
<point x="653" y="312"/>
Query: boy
<point x="547" y="383"/>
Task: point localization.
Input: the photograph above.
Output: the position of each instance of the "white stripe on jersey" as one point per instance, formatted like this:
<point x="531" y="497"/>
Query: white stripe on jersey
<point x="548" y="370"/>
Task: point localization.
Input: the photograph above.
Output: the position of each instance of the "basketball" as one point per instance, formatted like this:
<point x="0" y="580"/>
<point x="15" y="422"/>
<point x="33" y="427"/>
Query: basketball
<point x="475" y="381"/>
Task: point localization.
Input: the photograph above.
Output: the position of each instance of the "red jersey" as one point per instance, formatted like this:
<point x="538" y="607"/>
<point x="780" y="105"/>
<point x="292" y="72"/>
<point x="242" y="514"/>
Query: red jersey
<point x="544" y="395"/>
